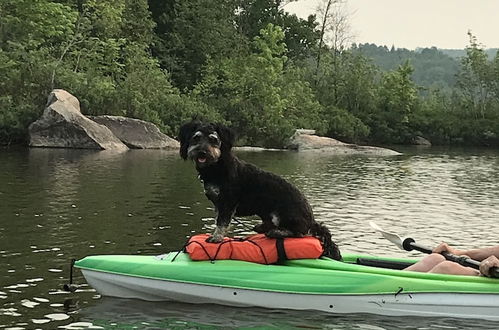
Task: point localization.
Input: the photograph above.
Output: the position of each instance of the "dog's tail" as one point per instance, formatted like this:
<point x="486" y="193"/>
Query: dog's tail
<point x="331" y="250"/>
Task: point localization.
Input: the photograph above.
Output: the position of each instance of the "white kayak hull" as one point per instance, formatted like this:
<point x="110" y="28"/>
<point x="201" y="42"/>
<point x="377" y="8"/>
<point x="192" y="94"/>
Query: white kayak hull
<point x="459" y="305"/>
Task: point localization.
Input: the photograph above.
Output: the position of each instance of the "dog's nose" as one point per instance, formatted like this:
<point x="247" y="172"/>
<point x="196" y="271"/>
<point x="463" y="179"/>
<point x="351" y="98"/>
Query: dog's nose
<point x="202" y="153"/>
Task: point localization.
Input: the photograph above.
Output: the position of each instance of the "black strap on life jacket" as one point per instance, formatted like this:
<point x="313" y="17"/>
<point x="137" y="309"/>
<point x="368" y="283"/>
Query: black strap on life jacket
<point x="281" y="251"/>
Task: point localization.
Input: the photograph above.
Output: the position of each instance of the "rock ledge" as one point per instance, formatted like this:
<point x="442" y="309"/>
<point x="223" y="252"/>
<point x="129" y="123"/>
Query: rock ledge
<point x="305" y="140"/>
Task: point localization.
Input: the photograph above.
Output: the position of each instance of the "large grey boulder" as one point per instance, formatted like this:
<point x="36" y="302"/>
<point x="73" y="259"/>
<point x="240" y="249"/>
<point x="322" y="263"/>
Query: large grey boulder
<point x="302" y="141"/>
<point x="62" y="125"/>
<point x="137" y="134"/>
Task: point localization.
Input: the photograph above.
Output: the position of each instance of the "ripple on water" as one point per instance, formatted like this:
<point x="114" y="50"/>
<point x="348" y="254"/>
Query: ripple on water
<point x="17" y="286"/>
<point x="40" y="321"/>
<point x="9" y="311"/>
<point x="41" y="300"/>
<point x="81" y="325"/>
<point x="55" y="270"/>
<point x="33" y="280"/>
<point x="57" y="316"/>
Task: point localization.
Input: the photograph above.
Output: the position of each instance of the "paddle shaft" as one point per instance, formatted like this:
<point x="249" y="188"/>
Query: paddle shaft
<point x="409" y="244"/>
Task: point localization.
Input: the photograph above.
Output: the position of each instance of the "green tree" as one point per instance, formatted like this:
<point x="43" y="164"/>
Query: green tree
<point x="301" y="36"/>
<point x="31" y="32"/>
<point x="478" y="80"/>
<point x="347" y="90"/>
<point x="343" y="125"/>
<point x="189" y="33"/>
<point x="397" y="99"/>
<point x="254" y="92"/>
<point x="99" y="51"/>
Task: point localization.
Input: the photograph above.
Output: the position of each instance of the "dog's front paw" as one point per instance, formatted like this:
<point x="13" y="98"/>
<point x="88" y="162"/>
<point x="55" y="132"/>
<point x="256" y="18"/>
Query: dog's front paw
<point x="218" y="235"/>
<point x="215" y="238"/>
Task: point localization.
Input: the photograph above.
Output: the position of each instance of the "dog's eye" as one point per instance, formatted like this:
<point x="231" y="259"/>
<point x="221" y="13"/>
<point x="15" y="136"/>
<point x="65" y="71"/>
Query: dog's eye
<point x="213" y="139"/>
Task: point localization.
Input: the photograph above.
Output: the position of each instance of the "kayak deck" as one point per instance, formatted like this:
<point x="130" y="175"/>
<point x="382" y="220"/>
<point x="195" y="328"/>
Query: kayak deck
<point x="318" y="284"/>
<point x="315" y="276"/>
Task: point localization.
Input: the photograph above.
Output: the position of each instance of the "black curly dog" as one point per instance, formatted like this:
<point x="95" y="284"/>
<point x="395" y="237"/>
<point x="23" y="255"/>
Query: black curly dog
<point x="237" y="188"/>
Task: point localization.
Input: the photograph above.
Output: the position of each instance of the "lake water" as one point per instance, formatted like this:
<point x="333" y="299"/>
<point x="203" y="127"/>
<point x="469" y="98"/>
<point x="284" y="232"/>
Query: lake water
<point x="61" y="204"/>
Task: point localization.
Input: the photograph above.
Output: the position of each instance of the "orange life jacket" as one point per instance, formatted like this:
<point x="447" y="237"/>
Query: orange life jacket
<point x="256" y="248"/>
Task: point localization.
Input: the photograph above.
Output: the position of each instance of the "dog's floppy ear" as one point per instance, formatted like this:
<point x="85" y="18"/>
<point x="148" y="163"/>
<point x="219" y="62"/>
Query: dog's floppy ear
<point x="227" y="136"/>
<point x="185" y="133"/>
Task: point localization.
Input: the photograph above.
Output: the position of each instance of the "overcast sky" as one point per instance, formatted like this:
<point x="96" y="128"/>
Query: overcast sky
<point x="417" y="23"/>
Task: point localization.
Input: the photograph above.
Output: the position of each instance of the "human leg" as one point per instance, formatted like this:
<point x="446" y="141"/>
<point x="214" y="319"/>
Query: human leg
<point x="453" y="268"/>
<point x="427" y="263"/>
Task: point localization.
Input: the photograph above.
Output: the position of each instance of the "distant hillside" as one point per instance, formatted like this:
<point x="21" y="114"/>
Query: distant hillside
<point x="457" y="53"/>
<point x="432" y="67"/>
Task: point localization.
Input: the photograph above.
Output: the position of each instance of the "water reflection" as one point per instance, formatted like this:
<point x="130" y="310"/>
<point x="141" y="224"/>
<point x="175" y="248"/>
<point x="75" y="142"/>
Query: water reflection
<point x="60" y="204"/>
<point x="123" y="313"/>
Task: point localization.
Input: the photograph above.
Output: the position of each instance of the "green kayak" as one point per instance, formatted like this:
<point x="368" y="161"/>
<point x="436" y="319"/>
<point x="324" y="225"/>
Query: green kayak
<point x="359" y="284"/>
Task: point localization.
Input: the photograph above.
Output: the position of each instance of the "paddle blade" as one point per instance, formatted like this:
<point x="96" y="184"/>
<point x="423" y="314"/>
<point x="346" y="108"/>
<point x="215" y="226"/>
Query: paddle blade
<point x="394" y="238"/>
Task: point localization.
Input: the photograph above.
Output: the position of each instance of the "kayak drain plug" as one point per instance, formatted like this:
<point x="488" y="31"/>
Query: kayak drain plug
<point x="70" y="287"/>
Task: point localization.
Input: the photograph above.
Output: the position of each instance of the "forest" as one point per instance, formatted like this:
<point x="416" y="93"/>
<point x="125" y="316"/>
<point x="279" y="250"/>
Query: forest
<point x="247" y="63"/>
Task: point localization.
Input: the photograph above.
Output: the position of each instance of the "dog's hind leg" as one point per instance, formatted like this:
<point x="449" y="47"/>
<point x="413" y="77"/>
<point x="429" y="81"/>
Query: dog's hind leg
<point x="287" y="226"/>
<point x="266" y="225"/>
<point x="263" y="227"/>
<point x="281" y="233"/>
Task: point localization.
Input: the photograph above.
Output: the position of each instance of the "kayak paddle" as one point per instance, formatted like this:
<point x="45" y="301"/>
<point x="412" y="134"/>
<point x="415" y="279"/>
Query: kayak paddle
<point x="410" y="244"/>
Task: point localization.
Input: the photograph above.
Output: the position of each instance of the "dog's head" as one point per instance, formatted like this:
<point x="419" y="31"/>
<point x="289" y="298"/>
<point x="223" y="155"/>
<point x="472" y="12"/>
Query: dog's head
<point x="205" y="143"/>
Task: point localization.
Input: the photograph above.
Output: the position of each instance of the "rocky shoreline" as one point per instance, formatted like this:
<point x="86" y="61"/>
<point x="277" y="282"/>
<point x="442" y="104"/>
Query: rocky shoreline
<point x="62" y="125"/>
